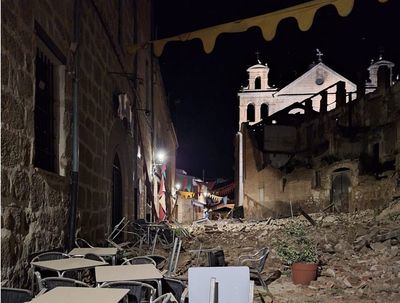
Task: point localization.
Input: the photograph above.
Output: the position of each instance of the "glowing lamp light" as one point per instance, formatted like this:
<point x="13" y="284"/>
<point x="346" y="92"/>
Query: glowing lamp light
<point x="273" y="121"/>
<point x="178" y="186"/>
<point x="161" y="156"/>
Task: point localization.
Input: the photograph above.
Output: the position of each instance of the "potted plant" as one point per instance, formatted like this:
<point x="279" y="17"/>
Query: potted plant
<point x="298" y="251"/>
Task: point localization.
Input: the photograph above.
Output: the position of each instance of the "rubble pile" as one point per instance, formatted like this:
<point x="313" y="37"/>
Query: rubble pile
<point x="359" y="254"/>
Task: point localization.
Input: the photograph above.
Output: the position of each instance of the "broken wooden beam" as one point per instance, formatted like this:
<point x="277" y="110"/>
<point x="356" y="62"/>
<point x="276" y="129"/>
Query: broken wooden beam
<point x="305" y="215"/>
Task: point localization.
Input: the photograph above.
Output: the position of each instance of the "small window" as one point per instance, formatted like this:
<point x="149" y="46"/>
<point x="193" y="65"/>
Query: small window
<point x="264" y="111"/>
<point x="257" y="83"/>
<point x="250" y="113"/>
<point x="317" y="179"/>
<point x="261" y="194"/>
<point x="49" y="109"/>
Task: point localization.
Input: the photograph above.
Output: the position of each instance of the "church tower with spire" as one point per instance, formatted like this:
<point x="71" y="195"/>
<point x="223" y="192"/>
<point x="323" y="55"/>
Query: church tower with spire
<point x="255" y="99"/>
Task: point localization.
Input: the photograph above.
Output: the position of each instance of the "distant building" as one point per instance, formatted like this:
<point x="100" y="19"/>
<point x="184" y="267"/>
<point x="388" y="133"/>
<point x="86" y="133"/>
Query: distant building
<point x="342" y="157"/>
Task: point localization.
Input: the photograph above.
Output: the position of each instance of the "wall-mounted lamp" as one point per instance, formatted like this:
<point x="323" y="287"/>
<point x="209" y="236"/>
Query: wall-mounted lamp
<point x="161" y="157"/>
<point x="178" y="186"/>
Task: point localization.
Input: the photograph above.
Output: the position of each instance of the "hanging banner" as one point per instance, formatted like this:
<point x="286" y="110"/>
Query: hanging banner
<point x="303" y="13"/>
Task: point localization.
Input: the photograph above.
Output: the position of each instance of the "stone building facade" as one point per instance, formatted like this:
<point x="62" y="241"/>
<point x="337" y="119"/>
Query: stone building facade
<point x="121" y="96"/>
<point x="343" y="159"/>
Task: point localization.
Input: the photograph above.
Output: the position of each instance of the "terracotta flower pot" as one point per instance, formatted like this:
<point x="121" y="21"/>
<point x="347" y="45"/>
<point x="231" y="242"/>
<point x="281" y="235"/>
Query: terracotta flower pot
<point x="304" y="273"/>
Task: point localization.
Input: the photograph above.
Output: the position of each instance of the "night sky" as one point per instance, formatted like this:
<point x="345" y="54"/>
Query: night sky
<point x="202" y="89"/>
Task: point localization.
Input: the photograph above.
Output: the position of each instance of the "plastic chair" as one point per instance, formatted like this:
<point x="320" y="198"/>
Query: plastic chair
<point x="177" y="288"/>
<point x="256" y="264"/>
<point x="15" y="295"/>
<point x="79" y="242"/>
<point x="139" y="260"/>
<point x="138" y="291"/>
<point x="216" y="258"/>
<point x="166" y="298"/>
<point x="53" y="282"/>
<point x="39" y="274"/>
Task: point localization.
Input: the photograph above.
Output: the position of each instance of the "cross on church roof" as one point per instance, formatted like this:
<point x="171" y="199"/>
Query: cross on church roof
<point x="319" y="55"/>
<point x="258" y="57"/>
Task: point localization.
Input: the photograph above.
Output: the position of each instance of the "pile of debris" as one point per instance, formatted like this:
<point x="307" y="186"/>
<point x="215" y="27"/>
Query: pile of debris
<point x="359" y="254"/>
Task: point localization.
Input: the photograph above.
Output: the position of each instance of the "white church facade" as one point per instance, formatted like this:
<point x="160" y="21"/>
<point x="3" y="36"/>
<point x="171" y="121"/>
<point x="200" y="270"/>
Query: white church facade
<point x="258" y="100"/>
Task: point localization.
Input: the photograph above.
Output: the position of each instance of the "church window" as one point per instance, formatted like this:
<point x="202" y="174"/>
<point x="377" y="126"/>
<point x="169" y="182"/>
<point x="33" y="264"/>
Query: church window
<point x="257" y="83"/>
<point x="264" y="111"/>
<point x="250" y="113"/>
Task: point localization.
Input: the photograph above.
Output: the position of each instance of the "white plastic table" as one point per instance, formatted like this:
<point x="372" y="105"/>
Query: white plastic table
<point x="81" y="295"/>
<point x="69" y="264"/>
<point x="100" y="251"/>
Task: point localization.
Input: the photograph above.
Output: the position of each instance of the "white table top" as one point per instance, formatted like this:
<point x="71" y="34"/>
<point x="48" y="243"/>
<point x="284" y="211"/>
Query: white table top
<point x="68" y="264"/>
<point x="81" y="295"/>
<point x="135" y="272"/>
<point x="101" y="251"/>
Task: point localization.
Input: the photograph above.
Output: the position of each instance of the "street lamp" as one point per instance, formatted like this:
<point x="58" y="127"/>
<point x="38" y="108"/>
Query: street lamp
<point x="178" y="186"/>
<point x="160" y="157"/>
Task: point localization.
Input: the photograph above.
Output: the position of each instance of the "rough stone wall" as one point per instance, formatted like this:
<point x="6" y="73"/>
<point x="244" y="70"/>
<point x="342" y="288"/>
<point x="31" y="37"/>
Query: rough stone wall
<point x="35" y="202"/>
<point x="376" y="115"/>
<point x="102" y="134"/>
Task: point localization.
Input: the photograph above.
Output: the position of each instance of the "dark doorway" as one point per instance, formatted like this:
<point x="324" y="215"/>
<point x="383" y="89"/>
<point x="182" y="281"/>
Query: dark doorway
<point x="116" y="192"/>
<point x="340" y="190"/>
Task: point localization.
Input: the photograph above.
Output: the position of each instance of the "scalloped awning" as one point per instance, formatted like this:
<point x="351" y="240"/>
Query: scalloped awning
<point x="268" y="23"/>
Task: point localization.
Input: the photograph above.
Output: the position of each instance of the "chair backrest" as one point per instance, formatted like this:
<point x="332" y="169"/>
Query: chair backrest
<point x="174" y="256"/>
<point x="53" y="282"/>
<point x="138" y="291"/>
<point x="216" y="258"/>
<point x="95" y="257"/>
<point x="166" y="298"/>
<point x="139" y="260"/>
<point x="160" y="260"/>
<point x="176" y="287"/>
<point x="51" y="256"/>
<point x="263" y="253"/>
<point x="79" y="242"/>
<point x="15" y="295"/>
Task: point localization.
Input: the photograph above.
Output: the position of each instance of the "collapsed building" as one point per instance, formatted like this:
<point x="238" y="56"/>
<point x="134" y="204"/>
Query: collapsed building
<point x="335" y="150"/>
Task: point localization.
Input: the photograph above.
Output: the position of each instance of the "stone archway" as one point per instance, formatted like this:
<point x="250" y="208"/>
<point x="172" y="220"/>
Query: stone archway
<point x="340" y="189"/>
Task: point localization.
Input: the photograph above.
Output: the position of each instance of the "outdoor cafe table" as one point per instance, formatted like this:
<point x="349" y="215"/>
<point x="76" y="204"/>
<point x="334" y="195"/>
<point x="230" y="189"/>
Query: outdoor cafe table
<point x="100" y="251"/>
<point x="134" y="272"/>
<point x="81" y="295"/>
<point x="69" y="264"/>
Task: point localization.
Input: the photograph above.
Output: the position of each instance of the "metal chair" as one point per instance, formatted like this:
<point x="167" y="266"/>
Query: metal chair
<point x="160" y="261"/>
<point x="95" y="257"/>
<point x="256" y="264"/>
<point x="177" y="288"/>
<point x="139" y="260"/>
<point x="79" y="242"/>
<point x="53" y="282"/>
<point x="39" y="274"/>
<point x="138" y="291"/>
<point x="166" y="298"/>
<point x="15" y="295"/>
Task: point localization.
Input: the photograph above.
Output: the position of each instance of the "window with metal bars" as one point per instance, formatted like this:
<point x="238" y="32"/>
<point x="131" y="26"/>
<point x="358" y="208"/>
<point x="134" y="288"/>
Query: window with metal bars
<point x="44" y="113"/>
